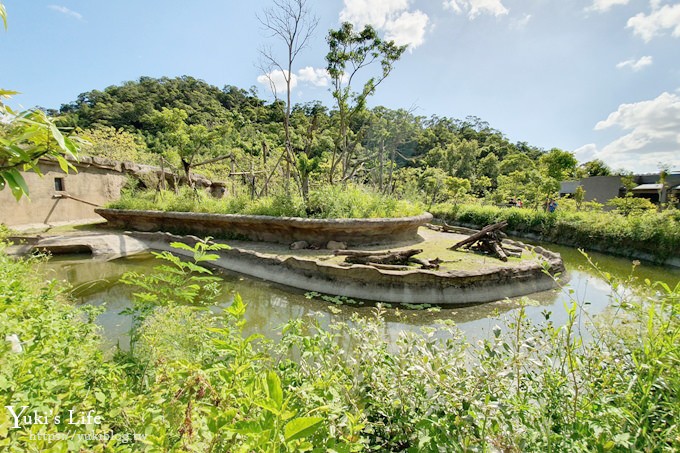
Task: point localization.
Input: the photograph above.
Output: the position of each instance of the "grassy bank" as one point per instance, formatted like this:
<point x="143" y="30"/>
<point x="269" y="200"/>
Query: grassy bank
<point x="343" y="202"/>
<point x="649" y="232"/>
<point x="194" y="382"/>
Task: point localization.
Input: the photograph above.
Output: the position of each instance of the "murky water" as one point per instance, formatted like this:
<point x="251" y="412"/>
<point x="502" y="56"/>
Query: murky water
<point x="271" y="305"/>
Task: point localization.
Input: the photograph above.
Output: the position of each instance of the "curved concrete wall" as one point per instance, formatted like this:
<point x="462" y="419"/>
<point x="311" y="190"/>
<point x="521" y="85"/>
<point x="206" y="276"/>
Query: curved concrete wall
<point x="283" y="230"/>
<point x="369" y="283"/>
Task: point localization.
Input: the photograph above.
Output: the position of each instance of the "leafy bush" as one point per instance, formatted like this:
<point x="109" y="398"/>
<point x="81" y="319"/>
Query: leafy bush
<point x="631" y="205"/>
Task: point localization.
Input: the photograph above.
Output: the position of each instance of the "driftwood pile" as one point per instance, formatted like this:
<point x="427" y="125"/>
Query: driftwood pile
<point x="388" y="260"/>
<point x="489" y="240"/>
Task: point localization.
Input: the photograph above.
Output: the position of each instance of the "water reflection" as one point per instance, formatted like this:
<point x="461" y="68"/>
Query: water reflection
<point x="272" y="305"/>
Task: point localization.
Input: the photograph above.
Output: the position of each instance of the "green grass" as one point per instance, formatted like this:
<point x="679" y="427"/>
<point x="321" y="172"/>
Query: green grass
<point x="350" y="201"/>
<point x="657" y="234"/>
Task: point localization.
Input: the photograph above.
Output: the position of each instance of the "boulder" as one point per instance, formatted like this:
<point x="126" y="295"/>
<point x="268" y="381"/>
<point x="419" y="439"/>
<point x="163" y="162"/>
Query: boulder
<point x="335" y="245"/>
<point x="299" y="245"/>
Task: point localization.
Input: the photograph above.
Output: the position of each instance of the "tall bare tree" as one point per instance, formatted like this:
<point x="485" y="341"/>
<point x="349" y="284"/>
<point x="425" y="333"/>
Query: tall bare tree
<point x="291" y="23"/>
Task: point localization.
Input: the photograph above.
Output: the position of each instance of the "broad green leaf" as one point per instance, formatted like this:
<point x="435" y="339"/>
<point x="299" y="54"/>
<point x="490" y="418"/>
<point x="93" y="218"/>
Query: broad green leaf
<point x="274" y="388"/>
<point x="269" y="405"/>
<point x="63" y="164"/>
<point x="57" y="136"/>
<point x="301" y="427"/>
<point x="16" y="183"/>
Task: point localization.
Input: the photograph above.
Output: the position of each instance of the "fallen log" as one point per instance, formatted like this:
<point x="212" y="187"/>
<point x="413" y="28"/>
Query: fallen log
<point x="426" y="264"/>
<point x="477" y="236"/>
<point x="400" y="257"/>
<point x="498" y="250"/>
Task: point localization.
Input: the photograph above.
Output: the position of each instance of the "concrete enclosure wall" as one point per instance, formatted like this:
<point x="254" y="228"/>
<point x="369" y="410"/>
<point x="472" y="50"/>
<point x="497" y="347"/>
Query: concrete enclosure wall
<point x="283" y="230"/>
<point x="91" y="187"/>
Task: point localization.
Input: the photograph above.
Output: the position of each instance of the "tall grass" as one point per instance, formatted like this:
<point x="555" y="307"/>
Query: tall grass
<point x="348" y="201"/>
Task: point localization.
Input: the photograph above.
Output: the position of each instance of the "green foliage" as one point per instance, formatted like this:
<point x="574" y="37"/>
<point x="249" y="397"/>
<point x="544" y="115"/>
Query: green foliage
<point x="25" y="138"/>
<point x="631" y="205"/>
<point x="350" y="201"/>
<point x="205" y="386"/>
<point x="597" y="167"/>
<point x="53" y="364"/>
<point x="116" y="144"/>
<point x="176" y="282"/>
<point x="558" y="164"/>
<point x="349" y="52"/>
<point x="657" y="234"/>
<point x="5" y="232"/>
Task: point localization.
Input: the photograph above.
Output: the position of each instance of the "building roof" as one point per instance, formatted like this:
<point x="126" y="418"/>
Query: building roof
<point x="642" y="187"/>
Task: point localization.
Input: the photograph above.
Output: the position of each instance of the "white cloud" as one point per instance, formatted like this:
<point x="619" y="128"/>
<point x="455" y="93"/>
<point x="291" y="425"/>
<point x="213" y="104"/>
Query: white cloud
<point x="653" y="135"/>
<point x="605" y="5"/>
<point x="409" y="28"/>
<point x="666" y="17"/>
<point x="636" y="65"/>
<point x="316" y="76"/>
<point x="66" y="11"/>
<point x="276" y="81"/>
<point x="476" y="7"/>
<point x="520" y="23"/>
<point x="393" y="17"/>
<point x="376" y="13"/>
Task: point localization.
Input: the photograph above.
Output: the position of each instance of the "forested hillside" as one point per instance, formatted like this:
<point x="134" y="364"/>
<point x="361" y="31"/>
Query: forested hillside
<point x="189" y="122"/>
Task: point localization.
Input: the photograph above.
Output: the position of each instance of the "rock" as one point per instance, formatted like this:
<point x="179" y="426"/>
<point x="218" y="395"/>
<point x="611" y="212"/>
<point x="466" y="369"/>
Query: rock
<point x="334" y="245"/>
<point x="299" y="245"/>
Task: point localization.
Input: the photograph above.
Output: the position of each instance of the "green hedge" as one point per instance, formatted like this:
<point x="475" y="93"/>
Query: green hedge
<point x="657" y="234"/>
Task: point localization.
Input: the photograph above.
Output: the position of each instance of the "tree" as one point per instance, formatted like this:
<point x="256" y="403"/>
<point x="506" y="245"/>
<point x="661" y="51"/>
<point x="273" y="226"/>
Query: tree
<point x="186" y="141"/>
<point x="596" y="167"/>
<point x="350" y="51"/>
<point x="516" y="162"/>
<point x="290" y="22"/>
<point x="488" y="166"/>
<point x="433" y="182"/>
<point x="579" y="196"/>
<point x="25" y="137"/>
<point x="558" y="164"/>
<point x="116" y="144"/>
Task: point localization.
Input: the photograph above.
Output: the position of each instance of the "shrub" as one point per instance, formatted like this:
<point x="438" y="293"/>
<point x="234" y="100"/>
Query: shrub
<point x="630" y="205"/>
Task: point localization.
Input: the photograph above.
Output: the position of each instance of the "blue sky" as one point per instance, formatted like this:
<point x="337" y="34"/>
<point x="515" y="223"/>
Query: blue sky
<point x="600" y="78"/>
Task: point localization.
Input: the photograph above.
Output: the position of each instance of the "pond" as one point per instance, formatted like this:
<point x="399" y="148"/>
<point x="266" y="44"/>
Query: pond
<point x="270" y="305"/>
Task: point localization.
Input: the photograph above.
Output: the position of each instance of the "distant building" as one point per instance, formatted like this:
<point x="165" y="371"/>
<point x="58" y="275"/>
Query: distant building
<point x="58" y="198"/>
<point x="604" y="188"/>
<point x="597" y="188"/>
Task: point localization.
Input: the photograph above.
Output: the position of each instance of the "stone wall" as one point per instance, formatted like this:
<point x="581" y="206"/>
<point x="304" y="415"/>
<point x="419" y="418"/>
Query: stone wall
<point x="283" y="230"/>
<point x="82" y="192"/>
<point x="97" y="182"/>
